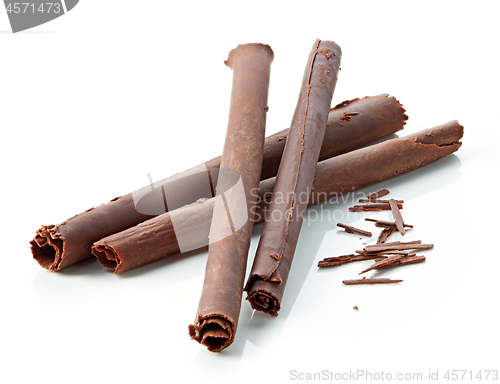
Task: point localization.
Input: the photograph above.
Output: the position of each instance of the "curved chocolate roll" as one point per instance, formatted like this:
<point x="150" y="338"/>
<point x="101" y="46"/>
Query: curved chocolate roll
<point x="156" y="238"/>
<point x="295" y="175"/>
<point x="58" y="246"/>
<point x="239" y="176"/>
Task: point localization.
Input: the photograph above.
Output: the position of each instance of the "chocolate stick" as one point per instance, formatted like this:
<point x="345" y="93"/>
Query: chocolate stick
<point x="157" y="238"/>
<point x="384" y="234"/>
<point x="376" y="195"/>
<point x="346" y="259"/>
<point x="405" y="260"/>
<point x="232" y="221"/>
<point x="383" y="263"/>
<point x="276" y="248"/>
<point x="355" y="230"/>
<point x="397" y="217"/>
<point x="378" y="201"/>
<point x="370" y="281"/>
<point x="58" y="246"/>
<point x="396" y="246"/>
<point x="386" y="224"/>
<point x="373" y="207"/>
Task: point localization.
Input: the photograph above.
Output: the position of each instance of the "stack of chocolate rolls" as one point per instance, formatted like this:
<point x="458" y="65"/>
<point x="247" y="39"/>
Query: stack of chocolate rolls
<point x="325" y="152"/>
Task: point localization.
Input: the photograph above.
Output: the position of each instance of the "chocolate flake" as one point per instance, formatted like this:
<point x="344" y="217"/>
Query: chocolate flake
<point x="378" y="194"/>
<point x="340" y="260"/>
<point x="405" y="260"/>
<point x="373" y="207"/>
<point x="384" y="234"/>
<point x="397" y="216"/>
<point x="350" y="229"/>
<point x="386" y="224"/>
<point x="383" y="263"/>
<point x="397" y="246"/>
<point x="370" y="281"/>
<point x="378" y="201"/>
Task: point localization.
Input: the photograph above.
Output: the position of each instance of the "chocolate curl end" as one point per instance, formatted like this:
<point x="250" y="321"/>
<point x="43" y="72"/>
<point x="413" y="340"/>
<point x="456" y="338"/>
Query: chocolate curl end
<point x="214" y="332"/>
<point x="264" y="301"/>
<point x="244" y="47"/>
<point x="106" y="256"/>
<point x="47" y="248"/>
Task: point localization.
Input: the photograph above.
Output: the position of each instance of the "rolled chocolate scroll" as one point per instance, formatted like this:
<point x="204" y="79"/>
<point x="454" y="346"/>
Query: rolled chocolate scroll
<point x="156" y="238"/>
<point x="296" y="172"/>
<point x="232" y="222"/>
<point x="351" y="124"/>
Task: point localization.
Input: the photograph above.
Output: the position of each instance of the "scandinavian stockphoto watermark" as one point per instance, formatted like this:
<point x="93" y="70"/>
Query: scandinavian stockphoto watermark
<point x="199" y="194"/>
<point x="28" y="14"/>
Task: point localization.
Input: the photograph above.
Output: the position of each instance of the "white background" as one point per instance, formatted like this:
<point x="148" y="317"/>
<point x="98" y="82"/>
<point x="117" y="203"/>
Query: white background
<point x="93" y="101"/>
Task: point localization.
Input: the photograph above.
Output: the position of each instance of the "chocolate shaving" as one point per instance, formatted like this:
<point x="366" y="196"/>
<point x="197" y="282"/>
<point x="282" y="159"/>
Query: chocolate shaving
<point x="346" y="259"/>
<point x="376" y="195"/>
<point x="371" y="281"/>
<point x="384" y="234"/>
<point x="379" y="201"/>
<point x="386" y="224"/>
<point x="350" y="229"/>
<point x="405" y="260"/>
<point x="397" y="246"/>
<point x="397" y="216"/>
<point x="383" y="263"/>
<point x="390" y="252"/>
<point x="373" y="207"/>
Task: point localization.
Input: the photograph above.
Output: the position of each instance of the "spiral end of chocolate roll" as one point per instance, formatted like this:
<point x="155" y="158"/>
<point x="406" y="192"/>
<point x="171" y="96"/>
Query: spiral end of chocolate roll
<point x="106" y="256"/>
<point x="47" y="248"/>
<point x="264" y="301"/>
<point x="214" y="332"/>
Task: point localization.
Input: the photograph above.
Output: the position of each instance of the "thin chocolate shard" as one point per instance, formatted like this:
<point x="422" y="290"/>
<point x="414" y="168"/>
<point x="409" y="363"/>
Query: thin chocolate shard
<point x="296" y="174"/>
<point x="371" y="281"/>
<point x="157" y="238"/>
<point x="405" y="260"/>
<point x="373" y="207"/>
<point x="379" y="201"/>
<point x="351" y="229"/>
<point x="397" y="246"/>
<point x="384" y="234"/>
<point x="381" y="253"/>
<point x="397" y="217"/>
<point x="346" y="259"/>
<point x="382" y="263"/>
<point x="386" y="224"/>
<point x="376" y="195"/>
<point x="232" y="222"/>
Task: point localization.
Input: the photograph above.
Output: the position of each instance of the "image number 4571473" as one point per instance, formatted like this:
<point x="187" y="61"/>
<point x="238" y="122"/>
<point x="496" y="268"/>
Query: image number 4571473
<point x="31" y="13"/>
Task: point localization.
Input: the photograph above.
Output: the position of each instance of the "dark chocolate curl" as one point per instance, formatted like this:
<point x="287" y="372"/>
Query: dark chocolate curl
<point x="155" y="239"/>
<point x="239" y="176"/>
<point x="58" y="246"/>
<point x="295" y="178"/>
